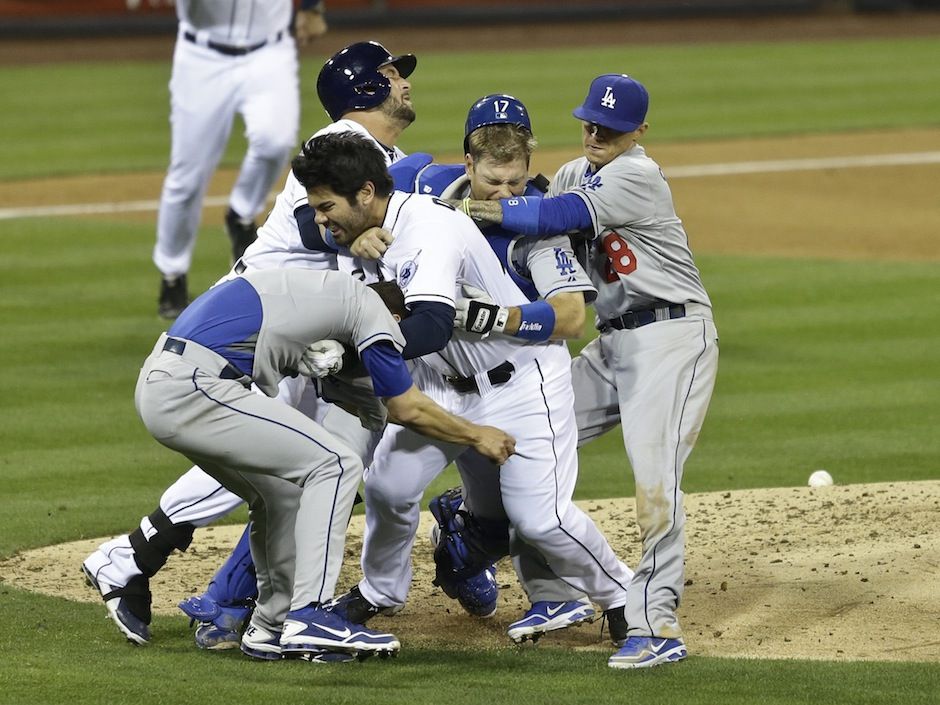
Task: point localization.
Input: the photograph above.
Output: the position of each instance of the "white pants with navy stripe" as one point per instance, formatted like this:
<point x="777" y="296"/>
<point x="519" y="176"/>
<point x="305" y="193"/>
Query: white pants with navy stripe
<point x="298" y="479"/>
<point x="532" y="489"/>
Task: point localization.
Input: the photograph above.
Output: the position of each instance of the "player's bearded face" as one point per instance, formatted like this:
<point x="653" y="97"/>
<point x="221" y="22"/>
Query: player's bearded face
<point x="398" y="105"/>
<point x="346" y="220"/>
<point x="602" y="145"/>
<point x="490" y="180"/>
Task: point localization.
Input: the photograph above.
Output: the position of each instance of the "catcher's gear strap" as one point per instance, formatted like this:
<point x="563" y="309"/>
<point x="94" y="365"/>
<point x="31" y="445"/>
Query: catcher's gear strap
<point x="467" y="544"/>
<point x="151" y="555"/>
<point x="136" y="596"/>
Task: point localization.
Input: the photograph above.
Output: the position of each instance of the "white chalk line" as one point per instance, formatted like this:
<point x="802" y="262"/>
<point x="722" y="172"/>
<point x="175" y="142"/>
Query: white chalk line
<point x="677" y="172"/>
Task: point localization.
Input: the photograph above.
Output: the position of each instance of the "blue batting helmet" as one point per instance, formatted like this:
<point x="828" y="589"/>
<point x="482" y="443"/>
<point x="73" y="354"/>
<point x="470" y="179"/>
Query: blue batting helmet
<point x="351" y="80"/>
<point x="615" y="101"/>
<point x="495" y="109"/>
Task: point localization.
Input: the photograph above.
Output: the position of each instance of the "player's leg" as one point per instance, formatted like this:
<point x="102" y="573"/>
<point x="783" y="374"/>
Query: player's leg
<point x="127" y="562"/>
<point x="676" y="361"/>
<point x="596" y="402"/>
<point x="404" y="465"/>
<point x="537" y="484"/>
<point x="270" y="106"/>
<point x="255" y="435"/>
<point x="202" y="108"/>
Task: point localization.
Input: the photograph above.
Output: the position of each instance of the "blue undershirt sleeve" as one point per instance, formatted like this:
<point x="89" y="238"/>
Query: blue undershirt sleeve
<point x="427" y="329"/>
<point x="545" y="216"/>
<point x="390" y="376"/>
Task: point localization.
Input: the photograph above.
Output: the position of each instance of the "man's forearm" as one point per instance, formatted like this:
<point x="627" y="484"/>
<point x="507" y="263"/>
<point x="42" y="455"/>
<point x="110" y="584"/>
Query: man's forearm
<point x="417" y="412"/>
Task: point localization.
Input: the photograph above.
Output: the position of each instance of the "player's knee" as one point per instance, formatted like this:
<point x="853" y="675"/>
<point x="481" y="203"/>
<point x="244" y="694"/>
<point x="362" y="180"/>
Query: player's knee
<point x="272" y="146"/>
<point x="382" y="492"/>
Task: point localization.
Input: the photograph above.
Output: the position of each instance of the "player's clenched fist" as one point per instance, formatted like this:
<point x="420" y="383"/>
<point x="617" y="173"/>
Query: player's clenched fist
<point x="495" y="444"/>
<point x="478" y="313"/>
<point x="322" y="358"/>
<point x="372" y="244"/>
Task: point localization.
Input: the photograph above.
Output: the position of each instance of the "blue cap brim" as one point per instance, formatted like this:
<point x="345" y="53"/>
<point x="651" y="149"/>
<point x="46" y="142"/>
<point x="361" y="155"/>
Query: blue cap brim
<point x="604" y="119"/>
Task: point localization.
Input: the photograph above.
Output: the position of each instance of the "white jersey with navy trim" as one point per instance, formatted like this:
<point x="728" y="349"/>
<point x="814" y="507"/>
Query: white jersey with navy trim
<point x="234" y="23"/>
<point x="434" y="247"/>
<point x="640" y="254"/>
<point x="279" y="242"/>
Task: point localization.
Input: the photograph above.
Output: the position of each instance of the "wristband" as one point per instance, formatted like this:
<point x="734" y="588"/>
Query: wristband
<point x="538" y="321"/>
<point x="521" y="215"/>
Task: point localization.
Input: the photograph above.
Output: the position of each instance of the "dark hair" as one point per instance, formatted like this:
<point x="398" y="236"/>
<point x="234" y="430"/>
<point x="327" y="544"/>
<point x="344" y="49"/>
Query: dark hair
<point x="391" y="294"/>
<point x="342" y="162"/>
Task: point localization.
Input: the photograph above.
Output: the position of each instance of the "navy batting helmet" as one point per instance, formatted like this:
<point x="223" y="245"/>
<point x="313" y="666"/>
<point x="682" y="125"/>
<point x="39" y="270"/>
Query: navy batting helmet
<point x="351" y="80"/>
<point x="495" y="109"/>
<point x="615" y="101"/>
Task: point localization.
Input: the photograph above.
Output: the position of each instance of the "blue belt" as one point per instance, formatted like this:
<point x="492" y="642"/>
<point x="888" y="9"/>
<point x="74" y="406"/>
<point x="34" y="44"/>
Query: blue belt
<point x="177" y="346"/>
<point x="643" y="317"/>
<point x="230" y="50"/>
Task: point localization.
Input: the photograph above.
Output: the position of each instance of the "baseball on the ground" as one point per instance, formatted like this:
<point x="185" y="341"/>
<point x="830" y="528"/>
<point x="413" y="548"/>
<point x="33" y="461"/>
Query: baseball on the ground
<point x="820" y="478"/>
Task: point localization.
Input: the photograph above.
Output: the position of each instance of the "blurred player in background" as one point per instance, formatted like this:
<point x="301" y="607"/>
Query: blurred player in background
<point x="229" y="58"/>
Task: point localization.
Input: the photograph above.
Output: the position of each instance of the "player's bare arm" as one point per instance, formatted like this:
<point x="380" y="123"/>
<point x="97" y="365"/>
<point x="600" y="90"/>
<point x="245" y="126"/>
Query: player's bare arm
<point x="484" y="212"/>
<point x="561" y="316"/>
<point x="416" y="411"/>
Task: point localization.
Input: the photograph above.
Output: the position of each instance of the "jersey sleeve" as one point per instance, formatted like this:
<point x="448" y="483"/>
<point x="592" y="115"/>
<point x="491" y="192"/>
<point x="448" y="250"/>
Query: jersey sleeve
<point x="428" y="262"/>
<point x="621" y="193"/>
<point x="374" y="323"/>
<point x="553" y="267"/>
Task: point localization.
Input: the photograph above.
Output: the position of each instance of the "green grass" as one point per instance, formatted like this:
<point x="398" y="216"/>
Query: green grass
<point x="823" y="364"/>
<point x="118" y="114"/>
<point x="66" y="653"/>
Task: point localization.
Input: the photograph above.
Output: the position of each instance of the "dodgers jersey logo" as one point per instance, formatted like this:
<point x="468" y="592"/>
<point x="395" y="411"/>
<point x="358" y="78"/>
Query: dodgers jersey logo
<point x="591" y="182"/>
<point x="563" y="262"/>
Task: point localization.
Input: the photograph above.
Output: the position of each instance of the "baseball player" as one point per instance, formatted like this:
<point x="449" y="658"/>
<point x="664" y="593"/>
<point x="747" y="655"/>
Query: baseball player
<point x="365" y="89"/>
<point x="498" y="144"/>
<point x="194" y="396"/>
<point x="521" y="386"/>
<point x="229" y="58"/>
<point x="653" y="366"/>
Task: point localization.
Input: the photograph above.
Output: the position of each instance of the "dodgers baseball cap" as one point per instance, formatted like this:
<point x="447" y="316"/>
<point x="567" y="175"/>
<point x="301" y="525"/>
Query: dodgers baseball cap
<point x="615" y="101"/>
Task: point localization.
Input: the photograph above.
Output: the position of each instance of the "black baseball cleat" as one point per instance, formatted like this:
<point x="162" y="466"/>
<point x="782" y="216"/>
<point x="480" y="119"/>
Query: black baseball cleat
<point x="354" y="607"/>
<point x="241" y="232"/>
<point x="128" y="607"/>
<point x="174" y="297"/>
<point x="616" y="622"/>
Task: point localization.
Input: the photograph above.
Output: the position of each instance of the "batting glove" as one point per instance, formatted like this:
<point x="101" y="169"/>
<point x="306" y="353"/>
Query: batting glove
<point x="322" y="358"/>
<point x="478" y="313"/>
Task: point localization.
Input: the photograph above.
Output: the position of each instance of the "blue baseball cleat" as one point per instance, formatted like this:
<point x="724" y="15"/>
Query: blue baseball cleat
<point x="548" y="616"/>
<point x="647" y="651"/>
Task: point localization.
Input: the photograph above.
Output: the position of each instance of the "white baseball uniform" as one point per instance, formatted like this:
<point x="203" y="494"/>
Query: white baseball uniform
<point x="197" y="498"/>
<point x="230" y="57"/>
<point x="653" y="366"/>
<point x="533" y="488"/>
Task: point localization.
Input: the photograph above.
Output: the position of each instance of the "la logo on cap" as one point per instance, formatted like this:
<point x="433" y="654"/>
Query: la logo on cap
<point x="608" y="101"/>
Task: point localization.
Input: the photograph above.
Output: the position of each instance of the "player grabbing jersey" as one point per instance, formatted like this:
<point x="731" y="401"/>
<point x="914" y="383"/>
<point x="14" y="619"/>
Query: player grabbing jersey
<point x="365" y="88"/>
<point x="520" y="386"/>
<point x="652" y="368"/>
<point x="194" y="396"/>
